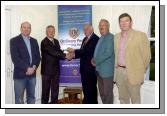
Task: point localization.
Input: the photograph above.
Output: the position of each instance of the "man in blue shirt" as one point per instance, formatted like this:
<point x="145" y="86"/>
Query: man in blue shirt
<point x="26" y="58"/>
<point x="104" y="61"/>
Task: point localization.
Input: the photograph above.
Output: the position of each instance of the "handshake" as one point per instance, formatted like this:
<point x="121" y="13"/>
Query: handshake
<point x="70" y="55"/>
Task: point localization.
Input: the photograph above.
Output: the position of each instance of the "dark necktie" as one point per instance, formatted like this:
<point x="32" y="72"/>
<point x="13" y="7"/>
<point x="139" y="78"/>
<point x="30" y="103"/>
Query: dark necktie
<point x="53" y="42"/>
<point x="85" y="41"/>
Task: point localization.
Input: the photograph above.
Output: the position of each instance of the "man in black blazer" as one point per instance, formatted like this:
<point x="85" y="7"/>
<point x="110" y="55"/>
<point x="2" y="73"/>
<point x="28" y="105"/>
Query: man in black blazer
<point x="50" y="69"/>
<point x="26" y="58"/>
<point x="87" y="70"/>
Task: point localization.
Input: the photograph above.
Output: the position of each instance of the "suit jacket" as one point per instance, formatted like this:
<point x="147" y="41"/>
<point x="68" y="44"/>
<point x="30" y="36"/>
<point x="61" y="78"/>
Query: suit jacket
<point x="137" y="55"/>
<point x="105" y="57"/>
<point x="20" y="55"/>
<point x="51" y="55"/>
<point x="85" y="53"/>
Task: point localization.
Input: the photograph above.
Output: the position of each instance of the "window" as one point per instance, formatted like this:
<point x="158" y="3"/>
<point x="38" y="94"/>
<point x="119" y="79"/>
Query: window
<point x="152" y="62"/>
<point x="153" y="22"/>
<point x="152" y="44"/>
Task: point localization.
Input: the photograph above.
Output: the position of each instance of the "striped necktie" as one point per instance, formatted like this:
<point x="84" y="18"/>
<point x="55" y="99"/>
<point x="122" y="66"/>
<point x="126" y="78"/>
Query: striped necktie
<point x="85" y="42"/>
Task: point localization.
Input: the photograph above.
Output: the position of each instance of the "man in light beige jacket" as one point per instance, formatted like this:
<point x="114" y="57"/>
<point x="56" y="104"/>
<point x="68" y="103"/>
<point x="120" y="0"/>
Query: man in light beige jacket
<point x="132" y="57"/>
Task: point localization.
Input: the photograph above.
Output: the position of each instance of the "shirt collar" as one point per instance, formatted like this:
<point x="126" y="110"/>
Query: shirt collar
<point x="125" y="34"/>
<point x="51" y="39"/>
<point x="103" y="36"/>
<point x="90" y="35"/>
<point x="25" y="37"/>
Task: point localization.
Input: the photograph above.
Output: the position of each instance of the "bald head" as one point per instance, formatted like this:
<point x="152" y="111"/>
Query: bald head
<point x="25" y="28"/>
<point x="88" y="29"/>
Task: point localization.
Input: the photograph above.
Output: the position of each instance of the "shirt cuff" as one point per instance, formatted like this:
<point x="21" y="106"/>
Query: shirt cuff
<point x="34" y="67"/>
<point x="74" y="55"/>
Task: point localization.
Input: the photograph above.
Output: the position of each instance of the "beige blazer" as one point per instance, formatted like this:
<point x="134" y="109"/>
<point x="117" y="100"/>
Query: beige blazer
<point x="137" y="55"/>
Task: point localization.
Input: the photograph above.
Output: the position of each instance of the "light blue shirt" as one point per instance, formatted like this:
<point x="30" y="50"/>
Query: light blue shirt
<point x="28" y="45"/>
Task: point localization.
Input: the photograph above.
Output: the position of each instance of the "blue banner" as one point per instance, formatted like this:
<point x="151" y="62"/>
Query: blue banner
<point x="71" y="19"/>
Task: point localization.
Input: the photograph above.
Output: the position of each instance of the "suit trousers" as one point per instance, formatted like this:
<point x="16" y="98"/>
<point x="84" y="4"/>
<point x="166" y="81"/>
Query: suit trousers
<point x="105" y="86"/>
<point x="89" y="85"/>
<point x="50" y="82"/>
<point x="126" y="90"/>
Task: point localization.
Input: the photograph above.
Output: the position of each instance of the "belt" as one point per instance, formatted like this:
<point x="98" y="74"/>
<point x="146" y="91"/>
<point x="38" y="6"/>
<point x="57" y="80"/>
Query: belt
<point x="121" y="66"/>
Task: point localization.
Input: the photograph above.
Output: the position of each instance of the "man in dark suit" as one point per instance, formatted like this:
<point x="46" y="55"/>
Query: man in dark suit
<point x="50" y="69"/>
<point x="26" y="58"/>
<point x="87" y="70"/>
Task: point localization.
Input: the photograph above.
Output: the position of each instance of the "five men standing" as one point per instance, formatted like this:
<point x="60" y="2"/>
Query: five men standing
<point x="127" y="54"/>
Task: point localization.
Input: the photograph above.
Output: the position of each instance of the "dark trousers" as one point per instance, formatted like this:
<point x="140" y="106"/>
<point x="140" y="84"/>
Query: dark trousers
<point x="89" y="82"/>
<point x="50" y="83"/>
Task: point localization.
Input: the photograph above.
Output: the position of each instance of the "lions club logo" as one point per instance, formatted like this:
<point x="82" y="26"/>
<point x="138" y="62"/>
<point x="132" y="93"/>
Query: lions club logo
<point x="75" y="72"/>
<point x="74" y="32"/>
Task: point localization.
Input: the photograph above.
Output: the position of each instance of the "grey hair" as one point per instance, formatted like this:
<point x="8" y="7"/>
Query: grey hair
<point x="106" y="21"/>
<point x="50" y="26"/>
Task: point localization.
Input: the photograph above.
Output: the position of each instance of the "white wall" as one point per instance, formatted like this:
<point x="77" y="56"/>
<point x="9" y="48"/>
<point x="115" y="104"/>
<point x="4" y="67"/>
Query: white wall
<point x="8" y="68"/>
<point x="41" y="16"/>
<point x="38" y="16"/>
<point x="140" y="16"/>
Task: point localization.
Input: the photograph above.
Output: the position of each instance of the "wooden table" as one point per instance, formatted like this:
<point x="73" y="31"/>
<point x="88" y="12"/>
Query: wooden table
<point x="72" y="93"/>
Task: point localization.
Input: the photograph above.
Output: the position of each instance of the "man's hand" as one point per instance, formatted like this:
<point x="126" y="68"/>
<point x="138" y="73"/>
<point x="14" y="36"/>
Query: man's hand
<point x="69" y="56"/>
<point x="70" y="50"/>
<point x="93" y="62"/>
<point x="30" y="71"/>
